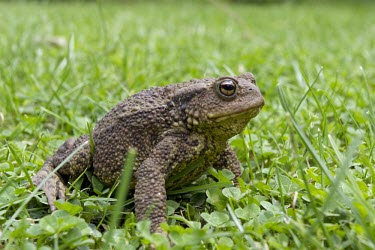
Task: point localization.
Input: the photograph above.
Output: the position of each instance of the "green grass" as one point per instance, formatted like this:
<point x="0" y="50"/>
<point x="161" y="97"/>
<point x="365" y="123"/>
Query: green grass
<point x="308" y="156"/>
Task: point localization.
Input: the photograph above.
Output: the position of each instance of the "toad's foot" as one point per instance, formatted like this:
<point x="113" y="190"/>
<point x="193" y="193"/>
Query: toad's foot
<point x="54" y="186"/>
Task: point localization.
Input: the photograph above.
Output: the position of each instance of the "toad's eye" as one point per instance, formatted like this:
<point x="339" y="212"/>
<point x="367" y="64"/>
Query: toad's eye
<point x="227" y="87"/>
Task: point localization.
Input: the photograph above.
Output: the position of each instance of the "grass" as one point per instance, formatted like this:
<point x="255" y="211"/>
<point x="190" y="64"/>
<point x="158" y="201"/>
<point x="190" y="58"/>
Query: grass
<point x="308" y="156"/>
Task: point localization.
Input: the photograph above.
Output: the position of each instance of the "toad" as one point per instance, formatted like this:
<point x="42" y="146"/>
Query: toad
<point x="178" y="132"/>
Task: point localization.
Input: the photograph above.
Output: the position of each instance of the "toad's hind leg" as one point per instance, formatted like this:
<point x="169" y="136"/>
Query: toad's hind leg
<point x="54" y="186"/>
<point x="78" y="162"/>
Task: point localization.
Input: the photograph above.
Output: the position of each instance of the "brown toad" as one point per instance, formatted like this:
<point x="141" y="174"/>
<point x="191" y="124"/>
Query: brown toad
<point x="178" y="131"/>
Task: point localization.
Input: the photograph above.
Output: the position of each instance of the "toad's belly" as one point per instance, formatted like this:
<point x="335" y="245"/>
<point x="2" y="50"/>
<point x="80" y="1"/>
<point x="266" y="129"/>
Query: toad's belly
<point x="187" y="173"/>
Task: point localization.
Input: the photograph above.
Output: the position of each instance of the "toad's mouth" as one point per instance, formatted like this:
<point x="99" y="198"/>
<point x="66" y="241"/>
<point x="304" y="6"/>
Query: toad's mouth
<point x="248" y="112"/>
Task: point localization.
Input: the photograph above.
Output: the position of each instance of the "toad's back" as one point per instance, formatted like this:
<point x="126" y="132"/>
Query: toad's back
<point x="136" y="122"/>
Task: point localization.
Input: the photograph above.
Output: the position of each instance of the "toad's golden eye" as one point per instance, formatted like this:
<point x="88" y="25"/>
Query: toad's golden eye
<point x="227" y="87"/>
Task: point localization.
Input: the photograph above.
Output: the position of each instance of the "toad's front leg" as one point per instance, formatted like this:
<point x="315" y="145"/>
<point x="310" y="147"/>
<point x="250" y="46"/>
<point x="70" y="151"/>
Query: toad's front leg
<point x="228" y="160"/>
<point x="150" y="193"/>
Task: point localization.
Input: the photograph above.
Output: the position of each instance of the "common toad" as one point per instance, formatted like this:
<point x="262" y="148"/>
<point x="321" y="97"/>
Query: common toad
<point x="174" y="129"/>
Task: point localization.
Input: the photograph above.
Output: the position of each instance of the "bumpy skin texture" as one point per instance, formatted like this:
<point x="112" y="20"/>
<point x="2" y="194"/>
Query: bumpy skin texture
<point x="178" y="131"/>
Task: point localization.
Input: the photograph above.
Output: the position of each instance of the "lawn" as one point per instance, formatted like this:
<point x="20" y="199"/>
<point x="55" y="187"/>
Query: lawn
<point x="308" y="157"/>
